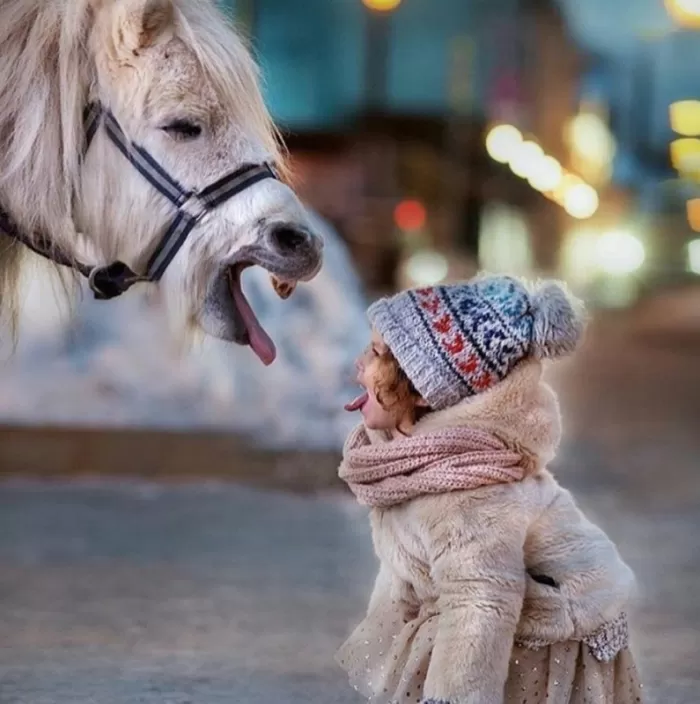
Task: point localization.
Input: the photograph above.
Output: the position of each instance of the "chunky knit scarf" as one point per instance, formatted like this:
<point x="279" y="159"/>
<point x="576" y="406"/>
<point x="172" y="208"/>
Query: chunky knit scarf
<point x="449" y="459"/>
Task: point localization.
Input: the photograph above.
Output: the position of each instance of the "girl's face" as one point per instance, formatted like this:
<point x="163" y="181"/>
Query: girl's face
<point x="369" y="374"/>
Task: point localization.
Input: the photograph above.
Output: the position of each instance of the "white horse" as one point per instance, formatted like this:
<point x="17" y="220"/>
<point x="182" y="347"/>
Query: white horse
<point x="135" y="146"/>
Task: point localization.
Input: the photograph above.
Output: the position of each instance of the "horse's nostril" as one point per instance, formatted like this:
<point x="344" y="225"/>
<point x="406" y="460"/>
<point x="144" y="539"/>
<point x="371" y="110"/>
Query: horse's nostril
<point x="289" y="239"/>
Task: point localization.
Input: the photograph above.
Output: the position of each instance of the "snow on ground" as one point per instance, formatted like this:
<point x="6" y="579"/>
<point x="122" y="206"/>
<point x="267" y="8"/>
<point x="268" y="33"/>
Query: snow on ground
<point x="114" y="363"/>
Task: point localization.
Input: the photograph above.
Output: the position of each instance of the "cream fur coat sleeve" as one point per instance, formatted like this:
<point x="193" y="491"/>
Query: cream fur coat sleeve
<point x="477" y="568"/>
<point x="595" y="585"/>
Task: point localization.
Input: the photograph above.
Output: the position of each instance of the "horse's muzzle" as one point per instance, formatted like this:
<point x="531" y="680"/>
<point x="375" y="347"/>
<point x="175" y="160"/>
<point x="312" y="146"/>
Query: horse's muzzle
<point x="293" y="252"/>
<point x="298" y="252"/>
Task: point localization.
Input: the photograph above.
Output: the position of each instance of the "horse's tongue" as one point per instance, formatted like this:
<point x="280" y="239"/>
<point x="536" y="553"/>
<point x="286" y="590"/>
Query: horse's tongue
<point x="260" y="341"/>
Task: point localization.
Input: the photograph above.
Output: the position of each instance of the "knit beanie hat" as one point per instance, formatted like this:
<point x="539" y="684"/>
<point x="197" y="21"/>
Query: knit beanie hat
<point x="455" y="341"/>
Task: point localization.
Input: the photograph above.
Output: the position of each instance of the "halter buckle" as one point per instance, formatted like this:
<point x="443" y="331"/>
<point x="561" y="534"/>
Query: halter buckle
<point x="110" y="281"/>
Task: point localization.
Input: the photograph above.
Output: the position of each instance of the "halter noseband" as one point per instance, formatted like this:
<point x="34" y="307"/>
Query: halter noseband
<point x="114" y="279"/>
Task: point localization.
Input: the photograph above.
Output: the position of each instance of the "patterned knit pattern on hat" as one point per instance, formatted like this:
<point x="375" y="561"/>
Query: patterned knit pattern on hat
<point x="450" y="459"/>
<point x="455" y="341"/>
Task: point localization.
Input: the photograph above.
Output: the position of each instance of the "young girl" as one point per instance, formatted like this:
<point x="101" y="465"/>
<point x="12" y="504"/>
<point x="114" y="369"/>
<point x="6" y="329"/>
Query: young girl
<point x="493" y="587"/>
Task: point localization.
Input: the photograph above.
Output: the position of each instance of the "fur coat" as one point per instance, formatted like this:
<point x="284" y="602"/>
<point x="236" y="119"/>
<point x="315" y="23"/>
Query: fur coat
<point x="512" y="563"/>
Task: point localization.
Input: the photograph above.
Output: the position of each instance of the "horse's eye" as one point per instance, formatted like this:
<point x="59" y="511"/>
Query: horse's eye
<point x="181" y="129"/>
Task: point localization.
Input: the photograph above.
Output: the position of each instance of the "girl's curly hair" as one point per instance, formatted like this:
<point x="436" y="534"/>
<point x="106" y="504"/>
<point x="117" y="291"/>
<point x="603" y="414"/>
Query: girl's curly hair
<point x="395" y="391"/>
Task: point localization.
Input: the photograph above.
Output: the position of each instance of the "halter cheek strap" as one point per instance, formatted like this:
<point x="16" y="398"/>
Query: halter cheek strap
<point x="112" y="280"/>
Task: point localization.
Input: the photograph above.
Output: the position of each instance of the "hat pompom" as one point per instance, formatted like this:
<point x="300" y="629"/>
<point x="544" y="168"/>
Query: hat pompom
<point x="559" y="320"/>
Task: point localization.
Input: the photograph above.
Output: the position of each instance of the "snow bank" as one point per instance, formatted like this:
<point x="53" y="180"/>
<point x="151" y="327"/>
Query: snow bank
<point x="115" y="363"/>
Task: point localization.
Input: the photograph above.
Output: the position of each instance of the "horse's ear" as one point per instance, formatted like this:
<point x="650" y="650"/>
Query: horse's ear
<point x="144" y="22"/>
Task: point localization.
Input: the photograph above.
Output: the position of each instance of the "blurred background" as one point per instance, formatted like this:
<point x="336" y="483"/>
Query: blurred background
<point x="431" y="139"/>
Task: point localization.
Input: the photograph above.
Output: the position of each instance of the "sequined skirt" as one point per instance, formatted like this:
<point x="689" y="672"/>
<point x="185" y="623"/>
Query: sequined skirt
<point x="387" y="662"/>
<point x="569" y="673"/>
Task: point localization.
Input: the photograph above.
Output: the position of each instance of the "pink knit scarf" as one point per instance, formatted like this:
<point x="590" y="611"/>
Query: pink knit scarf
<point x="449" y="459"/>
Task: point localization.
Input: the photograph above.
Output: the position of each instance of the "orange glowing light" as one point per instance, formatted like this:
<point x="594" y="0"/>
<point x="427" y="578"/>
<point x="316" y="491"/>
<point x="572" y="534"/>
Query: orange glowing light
<point x="694" y="214"/>
<point x="410" y="215"/>
<point x="382" y="5"/>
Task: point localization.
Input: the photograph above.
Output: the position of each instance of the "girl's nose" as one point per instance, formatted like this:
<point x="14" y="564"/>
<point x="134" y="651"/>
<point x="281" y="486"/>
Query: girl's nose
<point x="358" y="364"/>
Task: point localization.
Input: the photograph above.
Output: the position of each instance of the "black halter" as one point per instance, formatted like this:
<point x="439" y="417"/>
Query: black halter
<point x="114" y="279"/>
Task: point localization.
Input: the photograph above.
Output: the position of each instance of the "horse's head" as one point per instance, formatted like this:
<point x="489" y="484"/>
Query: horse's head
<point x="181" y="85"/>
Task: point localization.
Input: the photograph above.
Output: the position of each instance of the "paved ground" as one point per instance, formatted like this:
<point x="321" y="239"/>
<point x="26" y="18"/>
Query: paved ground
<point x="186" y="595"/>
<point x="200" y="594"/>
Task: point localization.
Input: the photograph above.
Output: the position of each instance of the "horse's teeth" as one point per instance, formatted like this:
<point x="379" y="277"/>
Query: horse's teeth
<point x="284" y="289"/>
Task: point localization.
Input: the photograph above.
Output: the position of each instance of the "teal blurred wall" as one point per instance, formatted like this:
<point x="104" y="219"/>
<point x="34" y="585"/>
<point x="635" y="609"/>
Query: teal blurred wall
<point x="312" y="53"/>
<point x="312" y="59"/>
<point x="423" y="34"/>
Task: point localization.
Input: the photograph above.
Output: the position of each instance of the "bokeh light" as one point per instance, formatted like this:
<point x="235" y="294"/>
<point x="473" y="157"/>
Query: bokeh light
<point x="505" y="240"/>
<point x="685" y="155"/>
<point x="693" y="207"/>
<point x="502" y="141"/>
<point x="568" y="181"/>
<point x="426" y="268"/>
<point x="693" y="252"/>
<point x="590" y="136"/>
<point x="620" y="252"/>
<point x="546" y="175"/>
<point x="382" y="5"/>
<point x="526" y="159"/>
<point x="685" y="117"/>
<point x="685" y="12"/>
<point x="581" y="201"/>
<point x="410" y="215"/>
<point x="578" y="255"/>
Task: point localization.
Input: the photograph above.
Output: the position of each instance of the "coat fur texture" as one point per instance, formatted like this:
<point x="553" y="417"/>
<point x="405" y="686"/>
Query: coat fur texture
<point x="471" y="555"/>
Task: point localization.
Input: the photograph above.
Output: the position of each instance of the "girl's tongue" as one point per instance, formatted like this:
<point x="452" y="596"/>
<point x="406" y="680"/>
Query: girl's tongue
<point x="357" y="404"/>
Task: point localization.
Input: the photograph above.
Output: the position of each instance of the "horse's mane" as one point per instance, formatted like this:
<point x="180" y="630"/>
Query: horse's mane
<point x="46" y="76"/>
